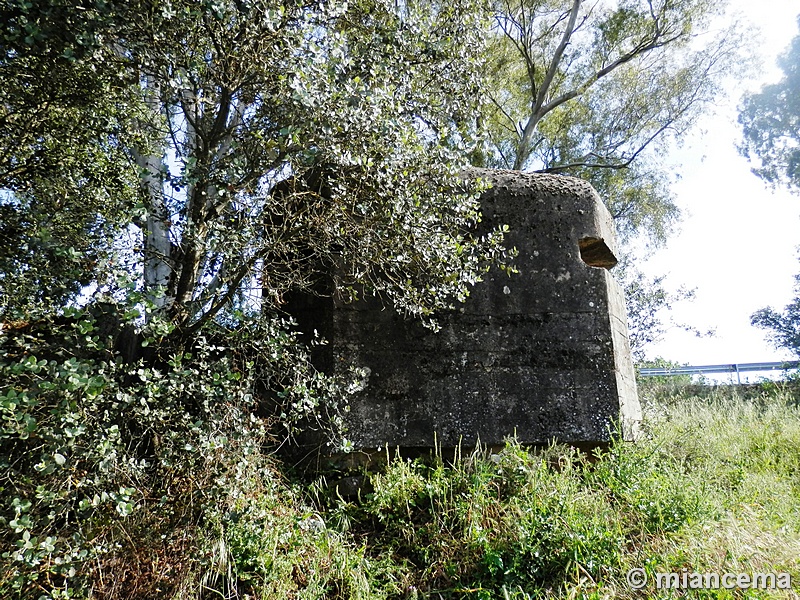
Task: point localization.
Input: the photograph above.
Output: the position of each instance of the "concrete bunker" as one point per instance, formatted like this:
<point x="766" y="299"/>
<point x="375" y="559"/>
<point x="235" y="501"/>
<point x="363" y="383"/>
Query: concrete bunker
<point x="542" y="355"/>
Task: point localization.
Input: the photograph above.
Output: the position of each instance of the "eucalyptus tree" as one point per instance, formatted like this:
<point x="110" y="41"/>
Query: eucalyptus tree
<point x="597" y="89"/>
<point x="770" y="122"/>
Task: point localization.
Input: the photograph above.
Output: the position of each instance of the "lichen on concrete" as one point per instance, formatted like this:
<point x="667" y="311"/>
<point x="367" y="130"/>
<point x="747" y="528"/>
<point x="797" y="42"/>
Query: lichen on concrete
<point x="540" y="355"/>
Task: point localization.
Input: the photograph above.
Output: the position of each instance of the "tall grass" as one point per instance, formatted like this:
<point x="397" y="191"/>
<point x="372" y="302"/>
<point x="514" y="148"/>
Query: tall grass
<point x="714" y="486"/>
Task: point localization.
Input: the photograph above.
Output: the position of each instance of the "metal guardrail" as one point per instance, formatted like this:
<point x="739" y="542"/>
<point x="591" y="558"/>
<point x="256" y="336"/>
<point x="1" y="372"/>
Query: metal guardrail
<point x="731" y="368"/>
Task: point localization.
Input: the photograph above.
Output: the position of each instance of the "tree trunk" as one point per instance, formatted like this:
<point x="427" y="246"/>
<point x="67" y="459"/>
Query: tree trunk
<point x="157" y="247"/>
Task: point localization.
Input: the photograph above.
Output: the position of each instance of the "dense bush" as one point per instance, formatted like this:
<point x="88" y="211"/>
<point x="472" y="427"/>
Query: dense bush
<point x="154" y="477"/>
<point x="112" y="467"/>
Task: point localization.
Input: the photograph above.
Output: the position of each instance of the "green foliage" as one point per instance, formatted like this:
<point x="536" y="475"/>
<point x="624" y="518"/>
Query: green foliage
<point x="54" y="246"/>
<point x="272" y="545"/>
<point x="272" y="144"/>
<point x="198" y="162"/>
<point x="522" y="521"/>
<point x="784" y="326"/>
<point x="65" y="183"/>
<point x="62" y="93"/>
<point x="105" y="459"/>
<point x="194" y="163"/>
<point x="257" y="146"/>
<point x="600" y="91"/>
<point x="648" y="302"/>
<point x="141" y="482"/>
<point x="770" y="122"/>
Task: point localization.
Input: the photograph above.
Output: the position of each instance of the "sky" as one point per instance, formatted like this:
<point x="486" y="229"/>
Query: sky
<point x="738" y="242"/>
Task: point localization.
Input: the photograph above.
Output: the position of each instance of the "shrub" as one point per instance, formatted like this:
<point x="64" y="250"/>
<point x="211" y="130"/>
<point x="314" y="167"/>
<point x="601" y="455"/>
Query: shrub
<point x="114" y="469"/>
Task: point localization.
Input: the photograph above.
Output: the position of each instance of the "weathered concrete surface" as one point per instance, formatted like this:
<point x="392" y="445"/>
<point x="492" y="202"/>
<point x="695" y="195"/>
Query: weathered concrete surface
<point x="541" y="355"/>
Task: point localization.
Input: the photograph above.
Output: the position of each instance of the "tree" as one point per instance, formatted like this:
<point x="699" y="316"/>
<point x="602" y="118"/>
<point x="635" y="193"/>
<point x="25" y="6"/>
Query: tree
<point x="193" y="162"/>
<point x="66" y="181"/>
<point x="770" y="122"/>
<point x="784" y="327"/>
<point x="647" y="301"/>
<point x="271" y="143"/>
<point x="598" y="89"/>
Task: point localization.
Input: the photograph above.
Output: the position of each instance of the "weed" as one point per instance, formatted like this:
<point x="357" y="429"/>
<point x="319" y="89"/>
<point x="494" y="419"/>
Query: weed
<point x="714" y="487"/>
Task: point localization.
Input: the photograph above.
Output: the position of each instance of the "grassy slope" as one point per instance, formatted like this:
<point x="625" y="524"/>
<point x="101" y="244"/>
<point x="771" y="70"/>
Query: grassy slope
<point x="714" y="487"/>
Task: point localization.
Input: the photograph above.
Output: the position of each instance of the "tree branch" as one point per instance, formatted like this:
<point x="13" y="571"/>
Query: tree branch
<point x="562" y="46"/>
<point x="622" y="165"/>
